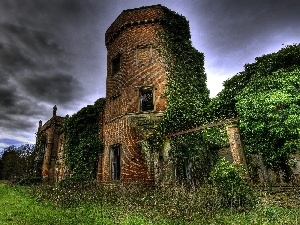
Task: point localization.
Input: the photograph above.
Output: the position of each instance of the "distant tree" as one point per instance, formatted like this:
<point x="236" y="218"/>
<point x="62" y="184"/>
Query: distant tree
<point x="12" y="165"/>
<point x="27" y="152"/>
<point x="17" y="162"/>
<point x="1" y="168"/>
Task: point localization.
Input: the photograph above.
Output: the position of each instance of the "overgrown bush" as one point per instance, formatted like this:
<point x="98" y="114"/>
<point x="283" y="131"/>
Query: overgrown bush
<point x="265" y="96"/>
<point x="187" y="96"/>
<point x="231" y="186"/>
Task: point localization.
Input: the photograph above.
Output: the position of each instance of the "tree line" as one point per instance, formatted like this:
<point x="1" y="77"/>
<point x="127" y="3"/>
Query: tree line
<point x="17" y="162"/>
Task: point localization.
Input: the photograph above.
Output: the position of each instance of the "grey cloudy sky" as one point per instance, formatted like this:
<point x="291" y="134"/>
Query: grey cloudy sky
<point x="53" y="51"/>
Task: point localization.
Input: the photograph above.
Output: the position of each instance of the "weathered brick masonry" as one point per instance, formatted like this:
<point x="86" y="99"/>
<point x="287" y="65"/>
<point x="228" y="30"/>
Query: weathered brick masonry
<point x="50" y="160"/>
<point x="135" y="102"/>
<point x="135" y="85"/>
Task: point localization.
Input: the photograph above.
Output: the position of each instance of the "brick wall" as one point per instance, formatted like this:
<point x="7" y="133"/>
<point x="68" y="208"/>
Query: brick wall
<point x="133" y="38"/>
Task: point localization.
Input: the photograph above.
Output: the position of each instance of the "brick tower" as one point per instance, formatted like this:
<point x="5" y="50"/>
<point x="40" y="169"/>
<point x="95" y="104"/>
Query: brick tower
<point x="135" y="87"/>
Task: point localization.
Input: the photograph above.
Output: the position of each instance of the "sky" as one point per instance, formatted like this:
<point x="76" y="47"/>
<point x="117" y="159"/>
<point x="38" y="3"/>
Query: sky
<point x="52" y="52"/>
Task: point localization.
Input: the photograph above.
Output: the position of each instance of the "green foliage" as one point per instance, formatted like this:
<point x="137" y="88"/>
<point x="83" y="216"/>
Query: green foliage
<point x="186" y="88"/>
<point x="186" y="92"/>
<point x="223" y="106"/>
<point x="83" y="145"/>
<point x="270" y="115"/>
<point x="216" y="137"/>
<point x="269" y="108"/>
<point x="231" y="186"/>
<point x="17" y="162"/>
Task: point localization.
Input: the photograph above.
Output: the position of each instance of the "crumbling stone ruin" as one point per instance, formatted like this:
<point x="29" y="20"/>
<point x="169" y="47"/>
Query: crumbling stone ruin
<point x="49" y="160"/>
<point x="135" y="102"/>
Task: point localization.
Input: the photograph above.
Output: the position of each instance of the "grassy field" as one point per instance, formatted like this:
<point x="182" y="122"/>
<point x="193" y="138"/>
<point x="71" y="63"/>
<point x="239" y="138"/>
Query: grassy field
<point x="85" y="205"/>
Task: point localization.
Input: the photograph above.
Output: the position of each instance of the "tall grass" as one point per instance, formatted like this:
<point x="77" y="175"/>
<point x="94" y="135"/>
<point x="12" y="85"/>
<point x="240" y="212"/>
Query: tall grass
<point x="164" y="204"/>
<point x="88" y="202"/>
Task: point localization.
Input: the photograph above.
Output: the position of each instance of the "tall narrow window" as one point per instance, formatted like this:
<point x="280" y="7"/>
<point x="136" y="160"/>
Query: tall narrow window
<point x="146" y="99"/>
<point x="115" y="162"/>
<point x="116" y="63"/>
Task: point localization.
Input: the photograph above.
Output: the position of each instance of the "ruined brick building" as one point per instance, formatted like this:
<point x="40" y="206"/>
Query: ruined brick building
<point x="135" y="102"/>
<point x="135" y="86"/>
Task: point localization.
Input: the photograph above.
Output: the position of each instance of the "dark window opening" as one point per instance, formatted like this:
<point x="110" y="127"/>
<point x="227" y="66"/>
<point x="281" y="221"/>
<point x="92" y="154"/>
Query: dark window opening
<point x="116" y="62"/>
<point x="146" y="99"/>
<point x="160" y="167"/>
<point x="116" y="165"/>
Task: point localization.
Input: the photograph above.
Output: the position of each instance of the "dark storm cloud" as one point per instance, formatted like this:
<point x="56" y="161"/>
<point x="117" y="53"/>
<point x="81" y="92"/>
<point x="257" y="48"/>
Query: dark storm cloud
<point x="36" y="66"/>
<point x="32" y="38"/>
<point x="16" y="109"/>
<point x="12" y="57"/>
<point x="15" y="102"/>
<point x="234" y="25"/>
<point x="54" y="88"/>
<point x="7" y="97"/>
<point x="53" y="52"/>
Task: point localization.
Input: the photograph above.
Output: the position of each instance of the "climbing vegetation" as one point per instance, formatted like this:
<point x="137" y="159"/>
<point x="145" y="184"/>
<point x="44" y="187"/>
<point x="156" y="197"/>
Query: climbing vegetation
<point x="265" y="96"/>
<point x="269" y="108"/>
<point x="83" y="145"/>
<point x="187" y="96"/>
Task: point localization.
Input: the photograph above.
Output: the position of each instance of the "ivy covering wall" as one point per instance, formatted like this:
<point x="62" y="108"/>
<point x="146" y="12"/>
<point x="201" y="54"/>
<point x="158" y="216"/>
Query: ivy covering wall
<point x="83" y="145"/>
<point x="265" y="96"/>
<point x="269" y="108"/>
<point x="187" y="96"/>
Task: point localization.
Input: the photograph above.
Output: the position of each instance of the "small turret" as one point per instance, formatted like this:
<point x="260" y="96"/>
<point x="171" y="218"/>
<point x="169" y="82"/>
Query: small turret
<point x="54" y="110"/>
<point x="40" y="124"/>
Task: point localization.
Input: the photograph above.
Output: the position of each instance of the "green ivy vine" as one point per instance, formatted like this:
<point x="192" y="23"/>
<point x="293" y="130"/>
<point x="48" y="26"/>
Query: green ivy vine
<point x="83" y="145"/>
<point x="269" y="108"/>
<point x="187" y="96"/>
<point x="272" y="82"/>
<point x="265" y="96"/>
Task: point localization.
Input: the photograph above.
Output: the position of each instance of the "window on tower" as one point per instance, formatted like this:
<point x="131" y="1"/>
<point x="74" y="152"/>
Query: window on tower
<point x="115" y="162"/>
<point x="116" y="64"/>
<point x="146" y="99"/>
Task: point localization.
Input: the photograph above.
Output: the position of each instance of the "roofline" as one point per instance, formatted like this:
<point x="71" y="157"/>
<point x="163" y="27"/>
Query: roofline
<point x="120" y="29"/>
